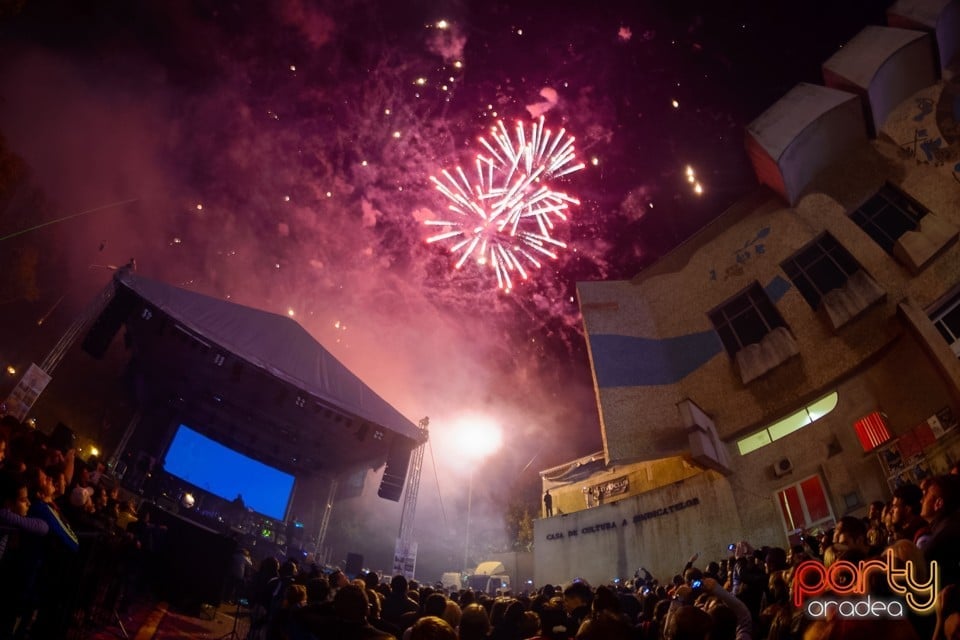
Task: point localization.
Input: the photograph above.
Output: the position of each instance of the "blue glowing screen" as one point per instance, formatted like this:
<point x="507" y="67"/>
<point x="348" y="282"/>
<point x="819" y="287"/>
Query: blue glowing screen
<point x="219" y="470"/>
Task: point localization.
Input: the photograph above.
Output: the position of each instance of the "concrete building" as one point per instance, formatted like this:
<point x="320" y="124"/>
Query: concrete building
<point x="797" y="358"/>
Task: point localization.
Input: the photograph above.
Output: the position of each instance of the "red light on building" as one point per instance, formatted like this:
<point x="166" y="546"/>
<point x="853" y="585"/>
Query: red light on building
<point x="872" y="430"/>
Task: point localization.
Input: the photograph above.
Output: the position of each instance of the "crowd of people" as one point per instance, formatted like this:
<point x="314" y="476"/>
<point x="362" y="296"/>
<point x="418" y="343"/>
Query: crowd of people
<point x="749" y="595"/>
<point x="56" y="512"/>
<point x="54" y="504"/>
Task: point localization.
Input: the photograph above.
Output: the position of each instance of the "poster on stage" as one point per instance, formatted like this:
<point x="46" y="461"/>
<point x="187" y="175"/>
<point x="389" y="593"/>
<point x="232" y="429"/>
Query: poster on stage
<point x="31" y="385"/>
<point x="405" y="559"/>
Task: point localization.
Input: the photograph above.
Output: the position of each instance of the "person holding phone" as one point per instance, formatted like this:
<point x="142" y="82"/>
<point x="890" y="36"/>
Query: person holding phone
<point x="693" y="577"/>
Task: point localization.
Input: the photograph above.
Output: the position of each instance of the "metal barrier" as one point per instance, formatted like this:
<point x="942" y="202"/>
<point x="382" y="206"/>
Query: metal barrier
<point x="107" y="577"/>
<point x="86" y="594"/>
<point x="72" y="595"/>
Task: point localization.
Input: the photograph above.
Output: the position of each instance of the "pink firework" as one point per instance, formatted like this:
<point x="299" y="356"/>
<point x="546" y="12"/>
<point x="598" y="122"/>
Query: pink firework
<point x="505" y="217"/>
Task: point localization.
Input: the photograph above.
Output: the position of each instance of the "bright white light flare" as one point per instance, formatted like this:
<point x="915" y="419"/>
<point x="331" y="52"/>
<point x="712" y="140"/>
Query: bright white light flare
<point x="476" y="437"/>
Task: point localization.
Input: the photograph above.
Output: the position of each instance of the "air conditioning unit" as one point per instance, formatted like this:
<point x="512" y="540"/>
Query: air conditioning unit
<point x="782" y="467"/>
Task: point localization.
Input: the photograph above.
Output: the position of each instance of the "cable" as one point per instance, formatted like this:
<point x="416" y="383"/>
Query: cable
<point x="64" y="218"/>
<point x="439" y="495"/>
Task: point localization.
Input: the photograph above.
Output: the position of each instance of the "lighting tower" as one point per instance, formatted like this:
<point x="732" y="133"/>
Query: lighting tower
<point x="410" y="493"/>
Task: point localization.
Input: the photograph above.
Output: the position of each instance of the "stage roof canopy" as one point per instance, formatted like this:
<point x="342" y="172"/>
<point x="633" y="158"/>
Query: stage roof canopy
<point x="256" y="380"/>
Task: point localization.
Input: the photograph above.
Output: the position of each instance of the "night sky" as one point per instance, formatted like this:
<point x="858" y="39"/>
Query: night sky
<point x="279" y="155"/>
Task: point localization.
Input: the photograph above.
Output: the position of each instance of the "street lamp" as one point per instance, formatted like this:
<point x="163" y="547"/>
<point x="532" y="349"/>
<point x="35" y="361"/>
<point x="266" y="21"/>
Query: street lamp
<point x="466" y="536"/>
<point x="477" y="437"/>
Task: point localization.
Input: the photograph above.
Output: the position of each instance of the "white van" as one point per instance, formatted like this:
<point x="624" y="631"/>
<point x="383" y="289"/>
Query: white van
<point x="491" y="585"/>
<point x="490" y="577"/>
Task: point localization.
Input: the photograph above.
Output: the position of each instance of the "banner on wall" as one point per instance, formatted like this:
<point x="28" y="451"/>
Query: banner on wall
<point x="904" y="460"/>
<point x="614" y="487"/>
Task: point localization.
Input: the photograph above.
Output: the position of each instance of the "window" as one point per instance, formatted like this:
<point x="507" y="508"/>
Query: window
<point x="947" y="321"/>
<point x="819" y="268"/>
<point x="785" y="426"/>
<point x="804" y="505"/>
<point x="888" y="215"/>
<point x="746" y="319"/>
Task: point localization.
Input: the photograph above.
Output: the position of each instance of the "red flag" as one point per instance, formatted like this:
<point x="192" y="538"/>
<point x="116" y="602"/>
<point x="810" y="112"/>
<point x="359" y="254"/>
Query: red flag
<point x="872" y="430"/>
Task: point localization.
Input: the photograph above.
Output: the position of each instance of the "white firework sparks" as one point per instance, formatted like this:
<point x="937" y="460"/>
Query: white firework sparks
<point x="505" y="217"/>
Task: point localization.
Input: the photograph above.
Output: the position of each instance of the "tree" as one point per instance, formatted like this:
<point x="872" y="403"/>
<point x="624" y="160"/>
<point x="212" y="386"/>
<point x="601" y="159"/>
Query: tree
<point x="519" y="525"/>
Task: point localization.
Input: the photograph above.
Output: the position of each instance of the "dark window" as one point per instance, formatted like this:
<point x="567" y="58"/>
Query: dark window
<point x="745" y="319"/>
<point x="888" y="215"/>
<point x="947" y="321"/>
<point x="820" y="267"/>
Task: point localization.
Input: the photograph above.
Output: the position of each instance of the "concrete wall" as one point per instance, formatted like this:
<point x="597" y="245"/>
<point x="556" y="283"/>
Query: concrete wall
<point x="613" y="540"/>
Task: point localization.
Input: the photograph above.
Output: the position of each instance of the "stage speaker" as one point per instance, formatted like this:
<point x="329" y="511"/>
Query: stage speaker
<point x="193" y="562"/>
<point x="395" y="474"/>
<point x="354" y="565"/>
<point x="105" y="327"/>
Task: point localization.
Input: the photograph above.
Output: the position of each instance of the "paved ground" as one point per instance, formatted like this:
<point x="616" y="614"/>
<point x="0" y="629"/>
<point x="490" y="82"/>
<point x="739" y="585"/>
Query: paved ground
<point x="158" y="621"/>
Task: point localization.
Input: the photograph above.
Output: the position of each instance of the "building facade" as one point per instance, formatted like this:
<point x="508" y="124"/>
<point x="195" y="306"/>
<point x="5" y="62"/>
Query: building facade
<point x="797" y="358"/>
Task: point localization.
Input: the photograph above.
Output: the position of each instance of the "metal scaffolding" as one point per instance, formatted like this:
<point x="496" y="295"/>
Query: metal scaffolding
<point x="412" y="490"/>
<point x="79" y="325"/>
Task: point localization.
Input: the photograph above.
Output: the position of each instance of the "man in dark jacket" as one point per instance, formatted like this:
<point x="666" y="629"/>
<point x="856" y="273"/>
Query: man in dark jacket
<point x="397" y="603"/>
<point x="350" y="607"/>
<point x="941" y="509"/>
<point x="577" y="599"/>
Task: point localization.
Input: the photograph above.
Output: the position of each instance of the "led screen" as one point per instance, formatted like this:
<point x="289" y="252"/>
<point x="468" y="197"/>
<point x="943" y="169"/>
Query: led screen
<point x="209" y="465"/>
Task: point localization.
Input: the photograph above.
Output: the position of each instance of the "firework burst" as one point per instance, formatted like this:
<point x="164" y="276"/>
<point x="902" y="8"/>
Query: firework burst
<point x="505" y="218"/>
